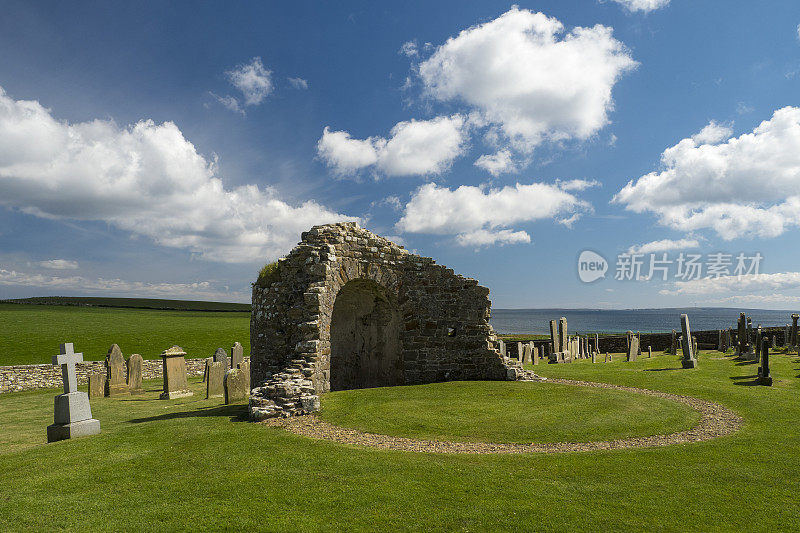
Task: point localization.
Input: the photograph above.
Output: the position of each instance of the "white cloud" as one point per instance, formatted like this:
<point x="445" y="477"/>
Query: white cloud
<point x="524" y="76"/>
<point x="798" y="31"/>
<point x="743" y="187"/>
<point x="59" y="264"/>
<point x="146" y="179"/>
<point x="664" y="245"/>
<point x="748" y="283"/>
<point x="644" y="6"/>
<point x="415" y="147"/>
<point x="577" y="184"/>
<point x="409" y="49"/>
<point x="479" y="216"/>
<point x="498" y="163"/>
<point x="298" y="83"/>
<point x="200" y="290"/>
<point x="713" y="133"/>
<point x="253" y="80"/>
<point x="229" y="102"/>
<point x="484" y="237"/>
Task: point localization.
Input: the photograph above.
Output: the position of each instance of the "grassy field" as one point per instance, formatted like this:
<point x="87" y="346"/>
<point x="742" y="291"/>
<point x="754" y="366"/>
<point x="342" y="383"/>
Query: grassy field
<point x="193" y="464"/>
<point x="140" y="303"/>
<point x="32" y="333"/>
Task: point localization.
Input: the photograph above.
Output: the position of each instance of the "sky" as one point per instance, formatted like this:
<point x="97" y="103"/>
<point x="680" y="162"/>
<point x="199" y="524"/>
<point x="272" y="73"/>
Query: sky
<point x="586" y="154"/>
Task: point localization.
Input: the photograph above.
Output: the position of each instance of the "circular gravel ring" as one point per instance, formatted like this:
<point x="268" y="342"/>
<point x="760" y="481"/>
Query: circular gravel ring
<point x="715" y="421"/>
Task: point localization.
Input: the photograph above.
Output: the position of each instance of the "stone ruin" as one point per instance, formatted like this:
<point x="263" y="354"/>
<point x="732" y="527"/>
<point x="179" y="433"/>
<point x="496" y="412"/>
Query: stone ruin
<point x="347" y="309"/>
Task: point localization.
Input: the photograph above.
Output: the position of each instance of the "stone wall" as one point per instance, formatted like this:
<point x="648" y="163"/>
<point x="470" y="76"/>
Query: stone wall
<point x="707" y="339"/>
<point x="28" y="377"/>
<point x="394" y="318"/>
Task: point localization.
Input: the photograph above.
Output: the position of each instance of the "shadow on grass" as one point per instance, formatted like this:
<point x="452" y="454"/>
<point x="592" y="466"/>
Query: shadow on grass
<point x="237" y="413"/>
<point x="741" y="380"/>
<point x="744" y="363"/>
<point x="660" y="369"/>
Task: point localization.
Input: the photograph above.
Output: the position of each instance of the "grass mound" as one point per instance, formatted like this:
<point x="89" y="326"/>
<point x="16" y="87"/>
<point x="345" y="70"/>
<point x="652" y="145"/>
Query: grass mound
<point x="496" y="411"/>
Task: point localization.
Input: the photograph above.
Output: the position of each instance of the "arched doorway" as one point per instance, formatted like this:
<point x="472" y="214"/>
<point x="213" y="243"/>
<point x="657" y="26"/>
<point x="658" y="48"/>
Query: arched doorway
<point x="365" y="338"/>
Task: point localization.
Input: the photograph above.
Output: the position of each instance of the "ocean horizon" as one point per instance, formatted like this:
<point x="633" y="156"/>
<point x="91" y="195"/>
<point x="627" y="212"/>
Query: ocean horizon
<point x="656" y="320"/>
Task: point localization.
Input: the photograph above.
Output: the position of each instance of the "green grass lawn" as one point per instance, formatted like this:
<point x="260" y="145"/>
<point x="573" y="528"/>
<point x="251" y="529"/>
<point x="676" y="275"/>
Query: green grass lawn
<point x="31" y="333"/>
<point x="496" y="411"/>
<point x="192" y="464"/>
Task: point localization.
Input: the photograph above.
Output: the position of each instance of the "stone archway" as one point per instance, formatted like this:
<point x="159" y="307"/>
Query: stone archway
<point x="366" y="350"/>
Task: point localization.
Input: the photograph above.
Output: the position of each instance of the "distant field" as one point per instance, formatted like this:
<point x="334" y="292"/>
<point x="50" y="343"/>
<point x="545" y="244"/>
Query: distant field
<point x="141" y="303"/>
<point x="30" y="334"/>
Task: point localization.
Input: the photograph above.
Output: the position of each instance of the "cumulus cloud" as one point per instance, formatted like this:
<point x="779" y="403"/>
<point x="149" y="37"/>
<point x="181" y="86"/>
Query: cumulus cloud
<point x="713" y="133"/>
<point x="59" y="264"/>
<point x="664" y="245"/>
<point x="201" y="290"/>
<point x="645" y="6"/>
<point x="477" y="216"/>
<point x="501" y="162"/>
<point x="745" y="186"/>
<point x="747" y="283"/>
<point x="409" y="49"/>
<point x="577" y="184"/>
<point x="298" y="83"/>
<point x="528" y="77"/>
<point x="253" y="80"/>
<point x="146" y="179"/>
<point x="414" y="148"/>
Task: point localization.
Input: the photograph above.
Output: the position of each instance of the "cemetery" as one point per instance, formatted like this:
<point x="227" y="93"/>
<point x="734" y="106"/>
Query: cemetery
<point x="372" y="384"/>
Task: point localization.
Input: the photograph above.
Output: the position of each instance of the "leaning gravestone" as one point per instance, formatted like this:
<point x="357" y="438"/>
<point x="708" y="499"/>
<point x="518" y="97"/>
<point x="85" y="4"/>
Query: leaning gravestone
<point x="73" y="415"/>
<point x="237" y="355"/>
<point x="97" y="385"/>
<point x="689" y="360"/>
<point x="235" y="386"/>
<point x="115" y="373"/>
<point x="176" y="383"/>
<point x="216" y="376"/>
<point x="633" y="347"/>
<point x="221" y="357"/>
<point x="135" y="363"/>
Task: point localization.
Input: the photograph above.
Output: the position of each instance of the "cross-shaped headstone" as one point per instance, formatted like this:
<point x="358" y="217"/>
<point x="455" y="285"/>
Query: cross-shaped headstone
<point x="67" y="359"/>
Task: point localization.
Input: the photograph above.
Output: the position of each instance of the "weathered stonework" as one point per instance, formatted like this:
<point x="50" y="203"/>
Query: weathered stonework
<point x="349" y="309"/>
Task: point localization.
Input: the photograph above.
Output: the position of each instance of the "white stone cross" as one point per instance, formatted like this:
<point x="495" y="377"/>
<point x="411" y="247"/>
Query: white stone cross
<point x="67" y="359"/>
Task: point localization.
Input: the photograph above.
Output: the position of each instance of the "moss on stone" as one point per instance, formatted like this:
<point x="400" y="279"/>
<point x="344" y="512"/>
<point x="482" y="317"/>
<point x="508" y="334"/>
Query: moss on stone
<point x="268" y="274"/>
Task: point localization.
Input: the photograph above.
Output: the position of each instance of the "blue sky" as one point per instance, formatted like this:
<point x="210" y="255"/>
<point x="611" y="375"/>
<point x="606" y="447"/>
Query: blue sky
<point x="169" y="150"/>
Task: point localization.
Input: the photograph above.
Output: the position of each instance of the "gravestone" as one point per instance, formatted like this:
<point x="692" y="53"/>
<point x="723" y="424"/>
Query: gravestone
<point x="562" y="334"/>
<point x="689" y="360"/>
<point x="554" y="336"/>
<point x="649" y="352"/>
<point x="216" y="376"/>
<point x="115" y="373"/>
<point x="97" y="385"/>
<point x="594" y="359"/>
<point x="793" y="333"/>
<point x="135" y="363"/>
<point x="774" y="341"/>
<point x="206" y="366"/>
<point x="221" y="357"/>
<point x="176" y="383"/>
<point x="235" y="386"/>
<point x="520" y="352"/>
<point x="786" y="335"/>
<point x="526" y="354"/>
<point x="237" y="355"/>
<point x="536" y="353"/>
<point x="720" y="341"/>
<point x="764" y="376"/>
<point x="742" y="334"/>
<point x="502" y="346"/>
<point x="609" y="358"/>
<point x="245" y="368"/>
<point x="633" y="347"/>
<point x="758" y="343"/>
<point x="72" y="413"/>
<point x="674" y="346"/>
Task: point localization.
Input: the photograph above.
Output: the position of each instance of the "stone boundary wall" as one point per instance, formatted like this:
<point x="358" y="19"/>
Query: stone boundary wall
<point x="707" y="339"/>
<point x="28" y="377"/>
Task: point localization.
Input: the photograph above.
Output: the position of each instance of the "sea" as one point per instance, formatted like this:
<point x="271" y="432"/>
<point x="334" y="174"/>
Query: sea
<point x="619" y="321"/>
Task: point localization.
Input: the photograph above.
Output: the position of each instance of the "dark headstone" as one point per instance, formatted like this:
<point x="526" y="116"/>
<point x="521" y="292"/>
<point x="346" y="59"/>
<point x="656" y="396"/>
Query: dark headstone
<point x="221" y="357"/>
<point x="764" y="377"/>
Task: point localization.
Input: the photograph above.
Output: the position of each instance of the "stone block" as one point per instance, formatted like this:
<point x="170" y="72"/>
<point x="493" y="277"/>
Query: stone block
<point x="235" y="386"/>
<point x="216" y="376"/>
<point x="97" y="385"/>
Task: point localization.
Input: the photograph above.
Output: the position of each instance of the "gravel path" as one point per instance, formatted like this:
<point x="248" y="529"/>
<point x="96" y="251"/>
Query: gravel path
<point x="715" y="421"/>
